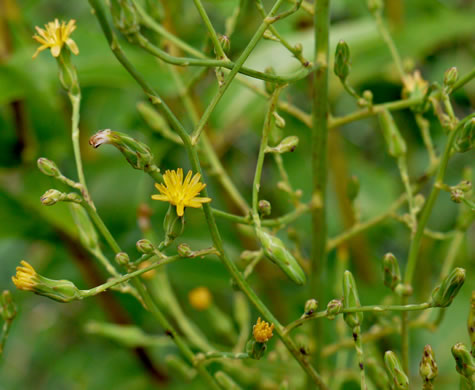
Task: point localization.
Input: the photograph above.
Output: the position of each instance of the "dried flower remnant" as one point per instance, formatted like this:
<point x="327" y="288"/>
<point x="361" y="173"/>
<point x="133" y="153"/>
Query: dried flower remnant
<point x="181" y="193"/>
<point x="54" y="36"/>
<point x="262" y="331"/>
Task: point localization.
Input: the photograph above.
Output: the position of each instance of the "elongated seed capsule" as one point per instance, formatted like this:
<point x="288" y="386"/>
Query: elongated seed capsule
<point x="392" y="274"/>
<point x="444" y="294"/>
<point x="396" y="373"/>
<point x="342" y="60"/>
<point x="275" y="250"/>
<point x="351" y="299"/>
<point x="394" y="142"/>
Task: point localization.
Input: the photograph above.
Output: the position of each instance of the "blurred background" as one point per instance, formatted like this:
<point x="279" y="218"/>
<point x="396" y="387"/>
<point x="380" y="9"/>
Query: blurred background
<point x="48" y="347"/>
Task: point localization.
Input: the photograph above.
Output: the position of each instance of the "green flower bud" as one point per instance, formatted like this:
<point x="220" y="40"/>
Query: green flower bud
<point x="28" y="279"/>
<point x="275" y="250"/>
<point x="334" y="307"/>
<point x="471" y="323"/>
<point x="394" y="141"/>
<point x="51" y="197"/>
<point x="352" y="188"/>
<point x="255" y="349"/>
<point x="464" y="361"/>
<point x="288" y="144"/>
<point x="428" y="367"/>
<point x="136" y="153"/>
<point x="87" y="232"/>
<point x="444" y="294"/>
<point x="173" y="225"/>
<point x="264" y="207"/>
<point x="125" y="18"/>
<point x="48" y="167"/>
<point x="396" y="373"/>
<point x="342" y="60"/>
<point x="403" y="290"/>
<point x="269" y="85"/>
<point x="122" y="259"/>
<point x="311" y="307"/>
<point x="368" y="98"/>
<point x="465" y="185"/>
<point x="67" y="73"/>
<point x="392" y="274"/>
<point x="351" y="299"/>
<point x="225" y="43"/>
<point x="465" y="138"/>
<point x="8" y="307"/>
<point x="298" y="48"/>
<point x="457" y="195"/>
<point x="226" y="382"/>
<point x="184" y="250"/>
<point x="451" y="76"/>
<point x="279" y="121"/>
<point x="145" y="246"/>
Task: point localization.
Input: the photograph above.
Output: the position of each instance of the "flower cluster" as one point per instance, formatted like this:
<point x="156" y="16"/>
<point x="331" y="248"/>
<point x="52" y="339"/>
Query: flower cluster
<point x="54" y="36"/>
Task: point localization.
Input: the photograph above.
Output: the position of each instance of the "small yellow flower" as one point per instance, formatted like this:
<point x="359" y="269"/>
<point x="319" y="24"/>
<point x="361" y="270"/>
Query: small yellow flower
<point x="181" y="193"/>
<point x="200" y="298"/>
<point x="26" y="277"/>
<point x="54" y="36"/>
<point x="262" y="331"/>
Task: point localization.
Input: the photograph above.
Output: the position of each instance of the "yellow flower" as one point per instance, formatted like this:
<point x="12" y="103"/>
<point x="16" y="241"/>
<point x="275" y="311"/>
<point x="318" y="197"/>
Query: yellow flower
<point x="181" y="193"/>
<point x="54" y="36"/>
<point x="26" y="277"/>
<point x="200" y="298"/>
<point x="262" y="331"/>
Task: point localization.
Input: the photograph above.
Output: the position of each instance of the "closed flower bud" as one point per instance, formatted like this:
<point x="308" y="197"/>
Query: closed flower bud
<point x="471" y="323"/>
<point x="465" y="138"/>
<point x="173" y="225"/>
<point x="255" y="349"/>
<point x="342" y="60"/>
<point x="352" y="188"/>
<point x="457" y="195"/>
<point x="351" y="299"/>
<point x="311" y="307"/>
<point x="392" y="274"/>
<point x="269" y="85"/>
<point x="403" y="290"/>
<point x="443" y="295"/>
<point x="279" y="121"/>
<point x="145" y="246"/>
<point x="395" y="143"/>
<point x="428" y="367"/>
<point x="464" y="361"/>
<point x="28" y="279"/>
<point x="184" y="250"/>
<point x="396" y="373"/>
<point x="368" y="97"/>
<point x="264" y="207"/>
<point x="275" y="250"/>
<point x="125" y="18"/>
<point x="225" y="43"/>
<point x="334" y="307"/>
<point x="51" y="197"/>
<point x="8" y="307"/>
<point x="465" y="185"/>
<point x="122" y="259"/>
<point x="288" y="144"/>
<point x="451" y="76"/>
<point x="48" y="167"/>
<point x="136" y="153"/>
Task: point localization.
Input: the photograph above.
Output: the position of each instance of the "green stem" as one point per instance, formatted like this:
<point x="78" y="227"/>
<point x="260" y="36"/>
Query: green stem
<point x="201" y="358"/>
<point x="360" y="355"/>
<point x="464" y="80"/>
<point x="214" y="37"/>
<point x="230" y="77"/>
<point x="403" y="171"/>
<point x="192" y="153"/>
<point x="5" y="330"/>
<point x="320" y="115"/>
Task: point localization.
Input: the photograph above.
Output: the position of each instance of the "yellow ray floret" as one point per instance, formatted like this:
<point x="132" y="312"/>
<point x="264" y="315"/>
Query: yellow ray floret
<point x="181" y="193"/>
<point x="54" y="36"/>
<point x="262" y="331"/>
<point x="26" y="277"/>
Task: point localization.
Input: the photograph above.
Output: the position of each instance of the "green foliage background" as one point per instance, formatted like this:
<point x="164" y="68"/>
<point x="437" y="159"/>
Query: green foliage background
<point x="48" y="347"/>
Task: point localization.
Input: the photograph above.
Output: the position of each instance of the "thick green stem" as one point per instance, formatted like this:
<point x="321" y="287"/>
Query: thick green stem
<point x="320" y="115"/>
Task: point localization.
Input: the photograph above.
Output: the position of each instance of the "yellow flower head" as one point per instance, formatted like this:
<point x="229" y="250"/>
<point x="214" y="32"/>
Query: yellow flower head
<point x="262" y="331"/>
<point x="181" y="193"/>
<point x="200" y="298"/>
<point x="26" y="277"/>
<point x="54" y="36"/>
